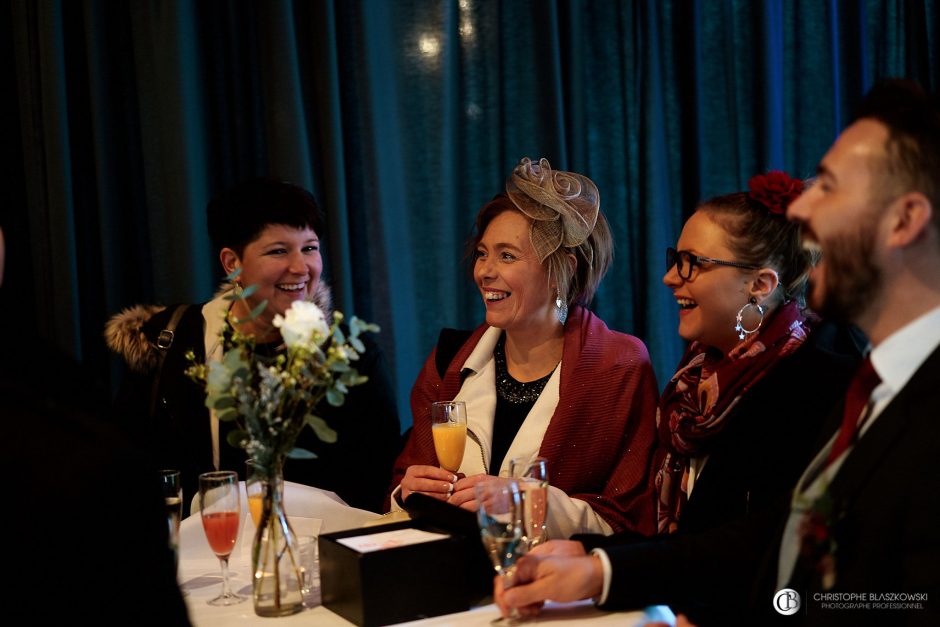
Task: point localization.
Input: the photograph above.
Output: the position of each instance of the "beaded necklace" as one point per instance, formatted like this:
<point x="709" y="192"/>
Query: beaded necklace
<point x="510" y="390"/>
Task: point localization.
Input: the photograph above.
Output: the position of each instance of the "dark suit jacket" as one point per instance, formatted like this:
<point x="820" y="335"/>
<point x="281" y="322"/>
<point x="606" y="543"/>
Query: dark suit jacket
<point x="887" y="528"/>
<point x="885" y="496"/>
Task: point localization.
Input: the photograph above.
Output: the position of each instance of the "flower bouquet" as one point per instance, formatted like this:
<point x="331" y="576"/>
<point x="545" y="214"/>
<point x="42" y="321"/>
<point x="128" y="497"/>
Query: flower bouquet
<point x="270" y="399"/>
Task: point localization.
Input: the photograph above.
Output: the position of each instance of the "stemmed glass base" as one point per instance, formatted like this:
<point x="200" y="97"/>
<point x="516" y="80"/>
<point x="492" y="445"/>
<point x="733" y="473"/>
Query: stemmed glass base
<point x="227" y="597"/>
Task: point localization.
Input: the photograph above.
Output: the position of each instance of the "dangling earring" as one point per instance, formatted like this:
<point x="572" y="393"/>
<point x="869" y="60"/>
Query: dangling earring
<point x="739" y="327"/>
<point x="561" y="307"/>
<point x="237" y="287"/>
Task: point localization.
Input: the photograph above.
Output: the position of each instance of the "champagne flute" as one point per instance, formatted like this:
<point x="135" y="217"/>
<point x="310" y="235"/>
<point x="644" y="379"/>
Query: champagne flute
<point x="532" y="474"/>
<point x="501" y="529"/>
<point x="449" y="429"/>
<point x="173" y="497"/>
<point x="219" y="507"/>
<point x="254" y="490"/>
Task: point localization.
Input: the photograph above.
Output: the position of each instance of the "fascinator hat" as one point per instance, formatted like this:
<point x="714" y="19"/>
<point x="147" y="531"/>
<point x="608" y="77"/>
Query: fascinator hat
<point x="564" y="208"/>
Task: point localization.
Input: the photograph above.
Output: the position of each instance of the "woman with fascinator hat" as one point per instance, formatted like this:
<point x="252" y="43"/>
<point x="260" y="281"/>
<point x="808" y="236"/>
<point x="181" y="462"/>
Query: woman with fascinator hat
<point x="543" y="375"/>
<point x="738" y="421"/>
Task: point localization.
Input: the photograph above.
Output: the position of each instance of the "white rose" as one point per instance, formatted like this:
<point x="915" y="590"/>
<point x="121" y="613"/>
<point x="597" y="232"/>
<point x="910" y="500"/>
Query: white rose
<point x="300" y="323"/>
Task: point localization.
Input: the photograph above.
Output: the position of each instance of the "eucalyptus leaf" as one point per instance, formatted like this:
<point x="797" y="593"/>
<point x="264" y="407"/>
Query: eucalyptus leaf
<point x="338" y="336"/>
<point x="248" y="291"/>
<point x="234" y="274"/>
<point x="335" y="398"/>
<point x="224" y="402"/>
<point x="301" y="453"/>
<point x="362" y="326"/>
<point x="254" y="312"/>
<point x="357" y="379"/>
<point x="357" y="344"/>
<point x="323" y="430"/>
<point x="236" y="437"/>
<point x="228" y="415"/>
<point x="258" y="310"/>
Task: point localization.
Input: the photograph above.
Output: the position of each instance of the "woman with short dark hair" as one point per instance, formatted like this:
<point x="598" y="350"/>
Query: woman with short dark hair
<point x="267" y="232"/>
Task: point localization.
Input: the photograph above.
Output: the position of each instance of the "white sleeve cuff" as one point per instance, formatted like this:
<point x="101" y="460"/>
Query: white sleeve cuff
<point x="608" y="574"/>
<point x="396" y="502"/>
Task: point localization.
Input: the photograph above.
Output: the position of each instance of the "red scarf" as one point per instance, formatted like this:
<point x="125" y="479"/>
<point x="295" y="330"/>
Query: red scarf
<point x="699" y="399"/>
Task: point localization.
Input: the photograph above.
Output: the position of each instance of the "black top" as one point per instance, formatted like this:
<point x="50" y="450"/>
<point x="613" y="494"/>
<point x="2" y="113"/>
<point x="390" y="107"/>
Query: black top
<point x="514" y="400"/>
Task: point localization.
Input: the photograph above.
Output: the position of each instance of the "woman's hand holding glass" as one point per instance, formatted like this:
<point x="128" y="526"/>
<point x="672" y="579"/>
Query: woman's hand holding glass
<point x="429" y="480"/>
<point x="449" y="431"/>
<point x="219" y="506"/>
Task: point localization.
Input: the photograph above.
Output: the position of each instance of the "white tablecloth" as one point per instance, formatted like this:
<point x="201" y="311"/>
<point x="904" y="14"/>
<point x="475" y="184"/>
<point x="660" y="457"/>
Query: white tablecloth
<point x="308" y="508"/>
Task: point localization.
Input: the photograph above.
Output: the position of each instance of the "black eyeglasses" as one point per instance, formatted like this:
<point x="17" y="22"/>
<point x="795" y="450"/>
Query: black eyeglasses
<point x="684" y="261"/>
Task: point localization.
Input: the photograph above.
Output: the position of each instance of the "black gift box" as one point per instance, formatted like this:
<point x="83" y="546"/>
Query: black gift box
<point x="407" y="582"/>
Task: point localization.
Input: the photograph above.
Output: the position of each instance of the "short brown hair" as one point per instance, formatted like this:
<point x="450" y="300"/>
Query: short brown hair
<point x="912" y="150"/>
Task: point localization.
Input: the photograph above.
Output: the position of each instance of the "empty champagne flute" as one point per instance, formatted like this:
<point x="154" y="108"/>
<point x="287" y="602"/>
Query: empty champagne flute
<point x="173" y="497"/>
<point x="501" y="529"/>
<point x="449" y="429"/>
<point x="532" y="475"/>
<point x="219" y="506"/>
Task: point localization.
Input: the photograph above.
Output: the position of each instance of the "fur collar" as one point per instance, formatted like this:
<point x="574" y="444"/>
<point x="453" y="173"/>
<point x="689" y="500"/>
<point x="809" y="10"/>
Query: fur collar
<point x="125" y="336"/>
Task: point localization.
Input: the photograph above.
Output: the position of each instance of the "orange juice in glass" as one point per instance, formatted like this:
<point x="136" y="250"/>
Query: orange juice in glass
<point x="254" y="489"/>
<point x="449" y="429"/>
<point x="254" y="505"/>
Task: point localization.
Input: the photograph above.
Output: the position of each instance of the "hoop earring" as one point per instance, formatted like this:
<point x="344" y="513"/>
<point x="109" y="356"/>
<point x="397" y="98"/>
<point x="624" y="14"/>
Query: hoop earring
<point x="739" y="327"/>
<point x="561" y="307"/>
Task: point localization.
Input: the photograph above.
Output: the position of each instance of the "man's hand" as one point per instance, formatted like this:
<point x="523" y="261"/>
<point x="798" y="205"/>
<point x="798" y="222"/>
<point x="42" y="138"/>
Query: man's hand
<point x="559" y="548"/>
<point x="539" y="579"/>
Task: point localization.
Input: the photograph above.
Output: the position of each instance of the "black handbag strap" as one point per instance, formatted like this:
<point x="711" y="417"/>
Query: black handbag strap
<point x="162" y="344"/>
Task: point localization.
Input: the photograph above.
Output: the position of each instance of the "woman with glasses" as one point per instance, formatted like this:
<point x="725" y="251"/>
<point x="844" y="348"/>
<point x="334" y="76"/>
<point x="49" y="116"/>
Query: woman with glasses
<point x="737" y="422"/>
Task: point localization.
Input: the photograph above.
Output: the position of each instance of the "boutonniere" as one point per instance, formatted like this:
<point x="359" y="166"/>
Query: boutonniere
<point x="818" y="542"/>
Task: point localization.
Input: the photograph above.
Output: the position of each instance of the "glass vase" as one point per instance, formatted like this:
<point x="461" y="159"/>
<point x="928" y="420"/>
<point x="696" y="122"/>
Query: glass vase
<point x="275" y="554"/>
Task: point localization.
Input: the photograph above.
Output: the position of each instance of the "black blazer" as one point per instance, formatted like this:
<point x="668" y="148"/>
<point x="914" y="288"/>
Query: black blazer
<point x="885" y="496"/>
<point x="885" y="499"/>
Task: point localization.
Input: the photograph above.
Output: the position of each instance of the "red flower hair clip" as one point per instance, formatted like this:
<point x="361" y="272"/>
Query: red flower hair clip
<point x="775" y="190"/>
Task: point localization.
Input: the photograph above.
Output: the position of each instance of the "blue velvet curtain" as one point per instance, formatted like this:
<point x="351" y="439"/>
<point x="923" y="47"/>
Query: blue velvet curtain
<point x="404" y="117"/>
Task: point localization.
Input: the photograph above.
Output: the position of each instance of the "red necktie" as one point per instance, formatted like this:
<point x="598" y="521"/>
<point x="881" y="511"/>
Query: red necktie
<point x="856" y="399"/>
